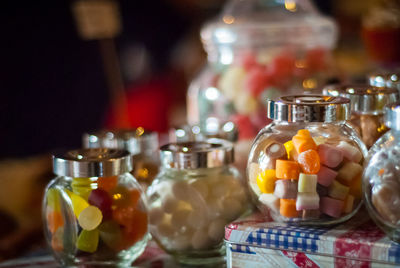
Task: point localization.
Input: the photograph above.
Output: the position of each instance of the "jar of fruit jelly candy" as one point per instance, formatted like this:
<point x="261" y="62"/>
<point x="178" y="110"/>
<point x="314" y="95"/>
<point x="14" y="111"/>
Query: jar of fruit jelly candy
<point x="257" y="50"/>
<point x="367" y="103"/>
<point x="196" y="193"/>
<point x="142" y="144"/>
<point x="94" y="211"/>
<point x="305" y="167"/>
<point x="381" y="179"/>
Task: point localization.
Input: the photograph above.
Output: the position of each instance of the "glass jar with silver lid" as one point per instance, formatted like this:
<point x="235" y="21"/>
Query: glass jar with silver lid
<point x="381" y="179"/>
<point x="94" y="211"/>
<point x="142" y="145"/>
<point x="305" y="167"/>
<point x="367" y="103"/>
<point x="196" y="193"/>
<point x="385" y="79"/>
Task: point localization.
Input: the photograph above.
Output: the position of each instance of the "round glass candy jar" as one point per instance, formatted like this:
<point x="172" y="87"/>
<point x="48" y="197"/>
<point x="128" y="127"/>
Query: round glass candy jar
<point x="94" y="211"/>
<point x="381" y="179"/>
<point x="258" y="49"/>
<point x="306" y="165"/>
<point x="367" y="108"/>
<point x="196" y="193"/>
<point x="142" y="144"/>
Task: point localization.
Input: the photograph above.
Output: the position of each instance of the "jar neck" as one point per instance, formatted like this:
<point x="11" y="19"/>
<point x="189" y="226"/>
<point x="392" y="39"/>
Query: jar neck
<point x="197" y="171"/>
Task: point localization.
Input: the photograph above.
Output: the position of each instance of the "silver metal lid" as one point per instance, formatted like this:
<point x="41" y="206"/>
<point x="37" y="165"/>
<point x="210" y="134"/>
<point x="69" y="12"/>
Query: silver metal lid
<point x="134" y="141"/>
<point x="309" y="108"/>
<point x="92" y="162"/>
<point x="364" y="99"/>
<point x="199" y="154"/>
<point x="392" y="116"/>
<point x="385" y="79"/>
<point x="227" y="131"/>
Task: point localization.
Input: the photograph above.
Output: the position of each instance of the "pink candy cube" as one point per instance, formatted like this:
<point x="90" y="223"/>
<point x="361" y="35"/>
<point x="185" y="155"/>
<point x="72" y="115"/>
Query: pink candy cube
<point x="350" y="152"/>
<point x="329" y="155"/>
<point x="307" y="201"/>
<point x="331" y="207"/>
<point x="326" y="176"/>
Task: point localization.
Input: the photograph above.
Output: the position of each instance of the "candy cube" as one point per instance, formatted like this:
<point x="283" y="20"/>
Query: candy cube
<point x="311" y="214"/>
<point x="271" y="201"/>
<point x="307" y="183"/>
<point x="329" y="155"/>
<point x="276" y="150"/>
<point x="288" y="208"/>
<point x="307" y="201"/>
<point x="337" y="190"/>
<point x="326" y="176"/>
<point x="303" y="141"/>
<point x="286" y="169"/>
<point x="348" y="204"/>
<point x="348" y="172"/>
<point x="286" y="189"/>
<point x="266" y="181"/>
<point x="309" y="161"/>
<point x="350" y="152"/>
<point x="331" y="207"/>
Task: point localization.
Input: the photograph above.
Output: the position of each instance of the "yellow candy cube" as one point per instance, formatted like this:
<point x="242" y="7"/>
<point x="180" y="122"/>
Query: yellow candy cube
<point x="266" y="181"/>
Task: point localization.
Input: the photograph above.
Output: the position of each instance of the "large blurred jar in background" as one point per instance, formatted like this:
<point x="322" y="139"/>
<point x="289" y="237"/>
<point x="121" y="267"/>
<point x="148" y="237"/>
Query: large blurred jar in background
<point x="257" y="50"/>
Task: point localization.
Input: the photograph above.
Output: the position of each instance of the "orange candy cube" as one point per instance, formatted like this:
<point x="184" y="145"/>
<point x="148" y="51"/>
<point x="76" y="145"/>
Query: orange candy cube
<point x="309" y="162"/>
<point x="286" y="169"/>
<point x="288" y="208"/>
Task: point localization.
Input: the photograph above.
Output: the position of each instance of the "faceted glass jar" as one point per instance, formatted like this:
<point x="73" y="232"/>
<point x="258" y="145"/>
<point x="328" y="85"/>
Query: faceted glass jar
<point x="189" y="206"/>
<point x="381" y="183"/>
<point x="257" y="50"/>
<point x="367" y="108"/>
<point x="142" y="144"/>
<point x="95" y="220"/>
<point x="306" y="166"/>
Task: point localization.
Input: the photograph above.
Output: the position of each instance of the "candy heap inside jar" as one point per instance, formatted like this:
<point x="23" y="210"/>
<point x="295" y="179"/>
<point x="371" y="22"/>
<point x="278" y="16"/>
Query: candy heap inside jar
<point x="254" y="77"/>
<point x="190" y="215"/>
<point x="307" y="178"/>
<point x="108" y="215"/>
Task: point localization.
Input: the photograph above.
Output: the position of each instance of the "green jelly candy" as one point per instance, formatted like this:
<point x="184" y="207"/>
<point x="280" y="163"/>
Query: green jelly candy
<point x="88" y="240"/>
<point x="78" y="204"/>
<point x="110" y="233"/>
<point x="82" y="187"/>
<point x="53" y="199"/>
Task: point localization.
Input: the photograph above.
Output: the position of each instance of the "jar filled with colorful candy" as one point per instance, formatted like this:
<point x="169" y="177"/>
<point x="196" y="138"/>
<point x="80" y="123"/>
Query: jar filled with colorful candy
<point x="306" y="166"/>
<point x="367" y="108"/>
<point x="258" y="50"/>
<point x="140" y="143"/>
<point x="94" y="211"/>
<point x="382" y="176"/>
<point x="196" y="193"/>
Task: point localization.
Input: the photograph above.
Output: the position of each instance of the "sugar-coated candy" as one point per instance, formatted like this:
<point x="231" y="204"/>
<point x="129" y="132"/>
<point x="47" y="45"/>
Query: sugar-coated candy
<point x="348" y="204"/>
<point x="266" y="181"/>
<point x="216" y="229"/>
<point x="54" y="220"/>
<point x="326" y="176"/>
<point x="386" y="200"/>
<point x="307" y="201"/>
<point x="348" y="172"/>
<point x="350" y="152"/>
<point x="101" y="199"/>
<point x="53" y="199"/>
<point x="338" y="191"/>
<point x="78" y="204"/>
<point x="276" y="150"/>
<point x="329" y="155"/>
<point x="88" y="240"/>
<point x="331" y="207"/>
<point x="110" y="234"/>
<point x="107" y="183"/>
<point x="288" y="208"/>
<point x="286" y="169"/>
<point x="90" y="218"/>
<point x="307" y="183"/>
<point x="200" y="239"/>
<point x="309" y="161"/>
<point x="286" y="189"/>
<point x="303" y="141"/>
<point x="271" y="201"/>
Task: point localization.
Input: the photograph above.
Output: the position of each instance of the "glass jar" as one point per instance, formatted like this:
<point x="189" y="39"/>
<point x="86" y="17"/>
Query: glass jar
<point x="306" y="166"/>
<point x="385" y="79"/>
<point x="142" y="144"/>
<point x="381" y="183"/>
<point x="196" y="193"/>
<point x="367" y="103"/>
<point x="94" y="211"/>
<point x="258" y="49"/>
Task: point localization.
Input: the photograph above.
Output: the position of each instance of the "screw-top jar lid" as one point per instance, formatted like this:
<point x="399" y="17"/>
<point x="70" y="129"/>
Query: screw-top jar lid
<point x="392" y="115"/>
<point x="309" y="108"/>
<point x="364" y="99"/>
<point x="385" y="79"/>
<point x="213" y="129"/>
<point x="92" y="162"/>
<point x="199" y="154"/>
<point x="134" y="141"/>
